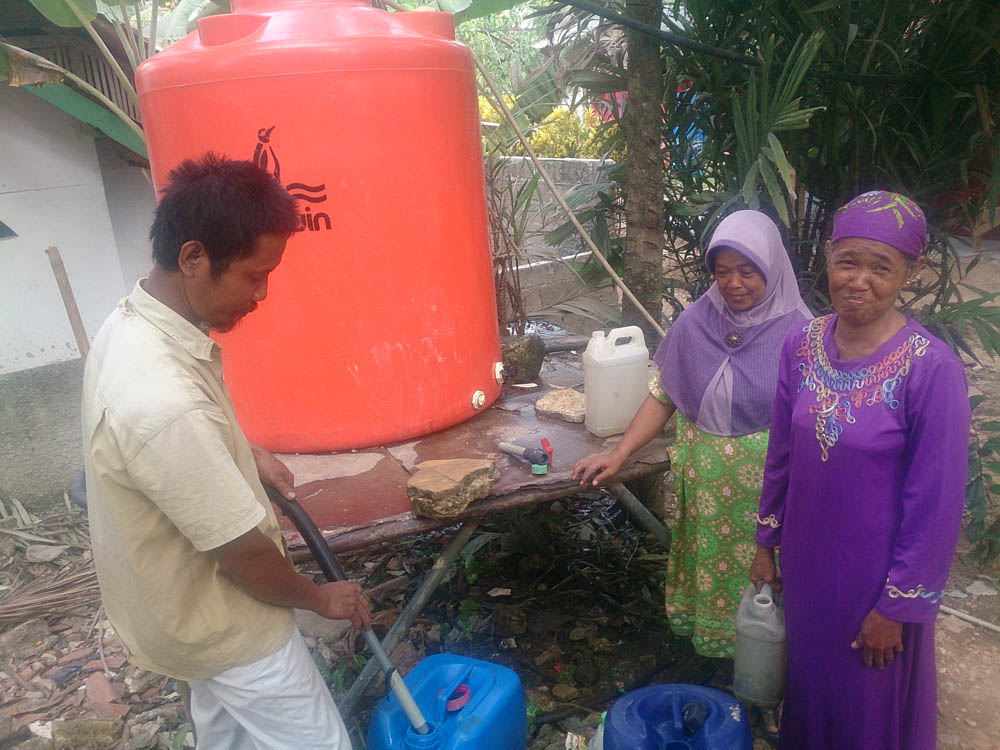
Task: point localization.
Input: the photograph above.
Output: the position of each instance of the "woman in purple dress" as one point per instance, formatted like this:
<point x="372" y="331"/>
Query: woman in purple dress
<point x="863" y="491"/>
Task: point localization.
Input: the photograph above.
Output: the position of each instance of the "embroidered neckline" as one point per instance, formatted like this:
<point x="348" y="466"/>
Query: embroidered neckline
<point x="839" y="392"/>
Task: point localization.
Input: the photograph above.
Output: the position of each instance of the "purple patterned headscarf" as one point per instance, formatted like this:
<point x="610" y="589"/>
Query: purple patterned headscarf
<point x="885" y="217"/>
<point x="719" y="366"/>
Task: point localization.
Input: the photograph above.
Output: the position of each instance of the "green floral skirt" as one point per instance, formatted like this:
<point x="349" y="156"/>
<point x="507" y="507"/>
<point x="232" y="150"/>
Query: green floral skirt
<point x="717" y="481"/>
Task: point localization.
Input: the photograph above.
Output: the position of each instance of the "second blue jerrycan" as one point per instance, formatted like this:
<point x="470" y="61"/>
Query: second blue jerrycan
<point x="676" y="717"/>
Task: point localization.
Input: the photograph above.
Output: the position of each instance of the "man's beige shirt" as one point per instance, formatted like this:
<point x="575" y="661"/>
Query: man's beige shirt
<point x="170" y="476"/>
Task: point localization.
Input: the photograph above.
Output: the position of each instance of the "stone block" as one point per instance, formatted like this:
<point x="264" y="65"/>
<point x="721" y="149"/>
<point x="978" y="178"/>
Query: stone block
<point x="444" y="488"/>
<point x="565" y="404"/>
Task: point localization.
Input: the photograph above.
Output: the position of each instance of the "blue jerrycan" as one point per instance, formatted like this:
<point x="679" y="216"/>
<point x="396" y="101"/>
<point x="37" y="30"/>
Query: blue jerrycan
<point x="677" y="717"/>
<point x="469" y="704"/>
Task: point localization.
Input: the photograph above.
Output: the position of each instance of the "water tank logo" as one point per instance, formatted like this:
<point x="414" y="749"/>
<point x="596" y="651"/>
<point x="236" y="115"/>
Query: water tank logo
<point x="265" y="158"/>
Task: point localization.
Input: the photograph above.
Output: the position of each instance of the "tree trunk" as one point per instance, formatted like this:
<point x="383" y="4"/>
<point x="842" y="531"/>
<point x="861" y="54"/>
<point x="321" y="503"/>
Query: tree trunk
<point x="644" y="206"/>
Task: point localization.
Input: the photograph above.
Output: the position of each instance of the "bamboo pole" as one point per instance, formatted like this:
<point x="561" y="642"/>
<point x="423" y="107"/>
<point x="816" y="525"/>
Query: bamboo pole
<point x="434" y="577"/>
<point x="502" y="107"/>
<point x="62" y="279"/>
<point x="640" y="513"/>
<point x="151" y="50"/>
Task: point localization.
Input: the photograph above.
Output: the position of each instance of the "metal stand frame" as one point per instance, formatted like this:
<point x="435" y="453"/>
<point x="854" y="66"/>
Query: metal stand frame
<point x="447" y="558"/>
<point x="427" y="587"/>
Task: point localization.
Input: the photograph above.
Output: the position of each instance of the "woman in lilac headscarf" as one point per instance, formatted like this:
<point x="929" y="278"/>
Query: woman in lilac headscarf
<point x="718" y="366"/>
<point x="863" y="490"/>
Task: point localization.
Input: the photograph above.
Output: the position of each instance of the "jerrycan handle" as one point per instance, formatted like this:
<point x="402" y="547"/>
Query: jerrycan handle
<point x="677" y="713"/>
<point x="448" y="702"/>
<point x="626" y="335"/>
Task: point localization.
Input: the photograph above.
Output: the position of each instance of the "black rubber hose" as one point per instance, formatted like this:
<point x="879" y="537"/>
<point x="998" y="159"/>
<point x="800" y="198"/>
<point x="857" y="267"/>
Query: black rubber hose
<point x="332" y="570"/>
<point x="310" y="534"/>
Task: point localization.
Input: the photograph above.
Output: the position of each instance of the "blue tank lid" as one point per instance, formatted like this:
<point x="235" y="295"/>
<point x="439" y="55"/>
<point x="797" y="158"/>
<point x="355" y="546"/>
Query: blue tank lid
<point x="677" y="717"/>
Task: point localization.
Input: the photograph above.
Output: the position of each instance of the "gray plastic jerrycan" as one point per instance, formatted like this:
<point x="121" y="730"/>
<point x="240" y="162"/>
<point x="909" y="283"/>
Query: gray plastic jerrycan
<point x="759" y="668"/>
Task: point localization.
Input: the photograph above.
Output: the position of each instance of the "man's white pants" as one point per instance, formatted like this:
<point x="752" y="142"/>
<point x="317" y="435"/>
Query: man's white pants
<point x="277" y="703"/>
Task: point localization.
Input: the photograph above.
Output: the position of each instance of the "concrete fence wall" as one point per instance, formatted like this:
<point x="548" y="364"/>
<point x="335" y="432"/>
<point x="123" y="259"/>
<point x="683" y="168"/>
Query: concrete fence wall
<point x="545" y="281"/>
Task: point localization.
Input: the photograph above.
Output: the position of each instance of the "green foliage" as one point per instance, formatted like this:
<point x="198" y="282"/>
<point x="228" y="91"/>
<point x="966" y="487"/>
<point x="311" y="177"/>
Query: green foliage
<point x="503" y="42"/>
<point x="180" y="737"/>
<point x="61" y="12"/>
<point x="475" y="9"/>
<point x="760" y="156"/>
<point x="843" y="98"/>
<point x="564" y="133"/>
<point x="982" y="496"/>
<point x="471" y="564"/>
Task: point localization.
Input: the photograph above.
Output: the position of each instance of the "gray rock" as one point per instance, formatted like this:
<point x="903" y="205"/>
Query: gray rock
<point x="36" y="743"/>
<point x="24" y="639"/>
<point x="523" y="357"/>
<point x="550" y="655"/>
<point x="587" y="674"/>
<point x="980" y="588"/>
<point x="565" y="404"/>
<point x="510" y="619"/>
<point x="541" y="697"/>
<point x="11" y="732"/>
<point x="143" y="735"/>
<point x="98" y="734"/>
<point x="444" y="488"/>
<point x="43" y="553"/>
<point x="565" y="692"/>
<point x="583" y="631"/>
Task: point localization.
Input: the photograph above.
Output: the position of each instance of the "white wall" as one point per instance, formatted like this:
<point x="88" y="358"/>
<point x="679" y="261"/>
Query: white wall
<point x="51" y="193"/>
<point x="131" y="202"/>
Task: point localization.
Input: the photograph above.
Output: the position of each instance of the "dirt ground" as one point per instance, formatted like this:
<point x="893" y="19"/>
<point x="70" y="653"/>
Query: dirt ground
<point x="968" y="655"/>
<point x="583" y="622"/>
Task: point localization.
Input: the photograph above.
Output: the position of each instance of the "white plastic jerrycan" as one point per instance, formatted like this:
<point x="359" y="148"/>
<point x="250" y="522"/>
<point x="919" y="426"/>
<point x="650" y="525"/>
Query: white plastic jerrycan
<point x="614" y="379"/>
<point x="759" y="668"/>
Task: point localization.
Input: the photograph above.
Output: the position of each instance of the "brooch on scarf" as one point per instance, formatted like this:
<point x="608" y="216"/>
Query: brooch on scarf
<point x="734" y="339"/>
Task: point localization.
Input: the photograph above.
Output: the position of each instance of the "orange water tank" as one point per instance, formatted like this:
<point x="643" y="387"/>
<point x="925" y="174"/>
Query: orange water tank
<point x="380" y="323"/>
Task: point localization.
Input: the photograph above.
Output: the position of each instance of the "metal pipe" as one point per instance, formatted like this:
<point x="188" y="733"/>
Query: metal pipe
<point x="412" y="609"/>
<point x="640" y="512"/>
<point x="969" y="618"/>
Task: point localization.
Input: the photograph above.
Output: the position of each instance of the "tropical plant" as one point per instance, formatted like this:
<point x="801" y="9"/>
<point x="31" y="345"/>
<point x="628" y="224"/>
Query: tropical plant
<point x="505" y="44"/>
<point x="509" y="204"/>
<point x="141" y="28"/>
<point x="797" y="107"/>
<point x="983" y="493"/>
<point x="564" y="133"/>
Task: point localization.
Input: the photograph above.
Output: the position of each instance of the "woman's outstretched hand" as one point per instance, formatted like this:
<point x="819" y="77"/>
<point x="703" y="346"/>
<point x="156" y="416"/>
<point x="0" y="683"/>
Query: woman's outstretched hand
<point x="645" y="425"/>
<point x="763" y="570"/>
<point x="597" y="469"/>
<point x="879" y="639"/>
